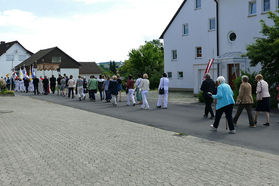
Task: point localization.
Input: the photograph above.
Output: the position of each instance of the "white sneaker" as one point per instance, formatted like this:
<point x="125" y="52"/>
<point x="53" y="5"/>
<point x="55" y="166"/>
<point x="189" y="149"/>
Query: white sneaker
<point x="213" y="128"/>
<point x="232" y="132"/>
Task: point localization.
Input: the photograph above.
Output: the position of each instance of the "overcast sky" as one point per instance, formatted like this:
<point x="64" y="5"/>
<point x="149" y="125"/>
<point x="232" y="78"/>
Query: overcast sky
<point x="87" y="30"/>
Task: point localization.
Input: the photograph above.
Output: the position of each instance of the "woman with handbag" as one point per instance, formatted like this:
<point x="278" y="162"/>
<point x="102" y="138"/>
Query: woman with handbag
<point x="163" y="91"/>
<point x="263" y="99"/>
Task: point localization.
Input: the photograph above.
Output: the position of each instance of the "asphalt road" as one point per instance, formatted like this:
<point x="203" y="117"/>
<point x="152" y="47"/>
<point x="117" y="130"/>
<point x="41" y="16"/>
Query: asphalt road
<point x="186" y="119"/>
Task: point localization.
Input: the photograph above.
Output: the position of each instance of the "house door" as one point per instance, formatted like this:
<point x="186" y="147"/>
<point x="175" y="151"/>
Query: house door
<point x="233" y="73"/>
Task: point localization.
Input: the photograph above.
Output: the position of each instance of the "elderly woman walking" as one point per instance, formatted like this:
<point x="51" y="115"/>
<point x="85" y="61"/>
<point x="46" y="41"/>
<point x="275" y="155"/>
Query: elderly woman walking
<point x="245" y="100"/>
<point x="144" y="87"/>
<point x="225" y="104"/>
<point x="263" y="99"/>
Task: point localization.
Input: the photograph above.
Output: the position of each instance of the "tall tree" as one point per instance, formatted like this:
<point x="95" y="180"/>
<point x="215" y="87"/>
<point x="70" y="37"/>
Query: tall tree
<point x="265" y="51"/>
<point x="148" y="58"/>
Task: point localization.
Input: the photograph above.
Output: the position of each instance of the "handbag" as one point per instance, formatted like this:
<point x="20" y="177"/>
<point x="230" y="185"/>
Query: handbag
<point x="162" y="90"/>
<point x="260" y="94"/>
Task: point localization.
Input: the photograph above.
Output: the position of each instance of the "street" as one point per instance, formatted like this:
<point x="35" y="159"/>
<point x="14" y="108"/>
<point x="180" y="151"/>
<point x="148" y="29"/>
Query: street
<point x="184" y="118"/>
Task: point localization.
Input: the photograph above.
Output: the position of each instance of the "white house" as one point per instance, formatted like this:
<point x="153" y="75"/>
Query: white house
<point x="11" y="54"/>
<point x="205" y="29"/>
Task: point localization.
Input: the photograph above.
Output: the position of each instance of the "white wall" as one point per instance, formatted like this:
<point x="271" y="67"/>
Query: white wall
<point x="199" y="35"/>
<point x="67" y="71"/>
<point x="19" y="55"/>
<point x="234" y="17"/>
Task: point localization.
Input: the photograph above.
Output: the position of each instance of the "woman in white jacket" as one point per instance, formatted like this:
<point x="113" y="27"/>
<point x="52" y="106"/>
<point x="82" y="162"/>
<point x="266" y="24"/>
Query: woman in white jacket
<point x="144" y="87"/>
<point x="164" y="84"/>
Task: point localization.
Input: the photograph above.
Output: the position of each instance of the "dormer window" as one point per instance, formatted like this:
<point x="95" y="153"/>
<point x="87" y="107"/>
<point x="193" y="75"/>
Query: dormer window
<point x="198" y="4"/>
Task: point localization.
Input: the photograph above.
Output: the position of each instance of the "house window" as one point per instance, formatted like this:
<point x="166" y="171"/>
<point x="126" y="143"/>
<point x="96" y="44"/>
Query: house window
<point x="198" y="52"/>
<point x="198" y="4"/>
<point x="174" y="54"/>
<point x="212" y="24"/>
<point x="232" y="36"/>
<point x="21" y="57"/>
<point x="56" y="60"/>
<point x="180" y="75"/>
<point x="266" y="5"/>
<point x="9" y="57"/>
<point x="185" y="29"/>
<point x="169" y="74"/>
<point x="252" y="8"/>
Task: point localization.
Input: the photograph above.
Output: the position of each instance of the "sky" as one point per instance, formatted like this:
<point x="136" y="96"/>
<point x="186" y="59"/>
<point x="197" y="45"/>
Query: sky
<point x="87" y="30"/>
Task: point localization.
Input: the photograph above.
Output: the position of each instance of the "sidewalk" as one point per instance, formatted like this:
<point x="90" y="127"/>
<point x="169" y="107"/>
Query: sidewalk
<point x="42" y="143"/>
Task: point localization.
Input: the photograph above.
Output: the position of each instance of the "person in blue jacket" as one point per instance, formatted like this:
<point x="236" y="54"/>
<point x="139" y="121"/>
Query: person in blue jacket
<point x="225" y="104"/>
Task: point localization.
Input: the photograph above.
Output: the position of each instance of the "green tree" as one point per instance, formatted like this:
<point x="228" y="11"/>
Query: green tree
<point x="265" y="51"/>
<point x="148" y="58"/>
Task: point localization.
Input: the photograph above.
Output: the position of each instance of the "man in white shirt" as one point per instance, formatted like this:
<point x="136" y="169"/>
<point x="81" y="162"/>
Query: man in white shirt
<point x="164" y="84"/>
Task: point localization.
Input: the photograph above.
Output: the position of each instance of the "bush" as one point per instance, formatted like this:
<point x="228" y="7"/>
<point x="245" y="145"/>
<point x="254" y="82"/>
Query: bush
<point x="6" y="92"/>
<point x="200" y="97"/>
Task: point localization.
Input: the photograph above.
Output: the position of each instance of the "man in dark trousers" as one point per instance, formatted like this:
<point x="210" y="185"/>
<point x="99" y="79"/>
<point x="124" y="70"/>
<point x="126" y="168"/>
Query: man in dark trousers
<point x="45" y="84"/>
<point x="52" y="84"/>
<point x="36" y="85"/>
<point x="26" y="84"/>
<point x="208" y="85"/>
<point x="59" y="84"/>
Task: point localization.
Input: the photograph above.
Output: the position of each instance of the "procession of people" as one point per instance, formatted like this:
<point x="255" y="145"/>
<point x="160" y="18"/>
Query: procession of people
<point x="110" y="88"/>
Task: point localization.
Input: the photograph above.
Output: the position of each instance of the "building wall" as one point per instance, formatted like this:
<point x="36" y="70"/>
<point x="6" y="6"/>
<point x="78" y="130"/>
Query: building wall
<point x="67" y="71"/>
<point x="246" y="27"/>
<point x="199" y="35"/>
<point x="16" y="54"/>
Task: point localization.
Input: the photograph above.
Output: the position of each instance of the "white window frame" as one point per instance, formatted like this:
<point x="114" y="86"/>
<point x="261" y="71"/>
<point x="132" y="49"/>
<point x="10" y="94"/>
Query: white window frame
<point x="196" y="52"/>
<point x="196" y="4"/>
<point x="168" y="75"/>
<point x="184" y="28"/>
<point x="178" y="76"/>
<point x="250" y="3"/>
<point x="172" y="55"/>
<point x="209" y="24"/>
<point x="263" y="10"/>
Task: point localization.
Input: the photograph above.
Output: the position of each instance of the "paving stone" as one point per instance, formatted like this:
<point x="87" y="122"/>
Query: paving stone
<point x="47" y="144"/>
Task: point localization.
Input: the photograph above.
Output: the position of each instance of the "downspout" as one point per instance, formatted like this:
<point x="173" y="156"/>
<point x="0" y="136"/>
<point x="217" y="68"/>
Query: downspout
<point x="217" y="35"/>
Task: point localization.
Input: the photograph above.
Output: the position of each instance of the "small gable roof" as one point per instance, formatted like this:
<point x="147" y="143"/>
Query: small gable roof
<point x="5" y="46"/>
<point x="89" y="68"/>
<point x="177" y="12"/>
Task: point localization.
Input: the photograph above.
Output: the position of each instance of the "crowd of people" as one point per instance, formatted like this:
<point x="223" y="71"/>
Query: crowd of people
<point x="137" y="90"/>
<point x="223" y="96"/>
<point x="109" y="88"/>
